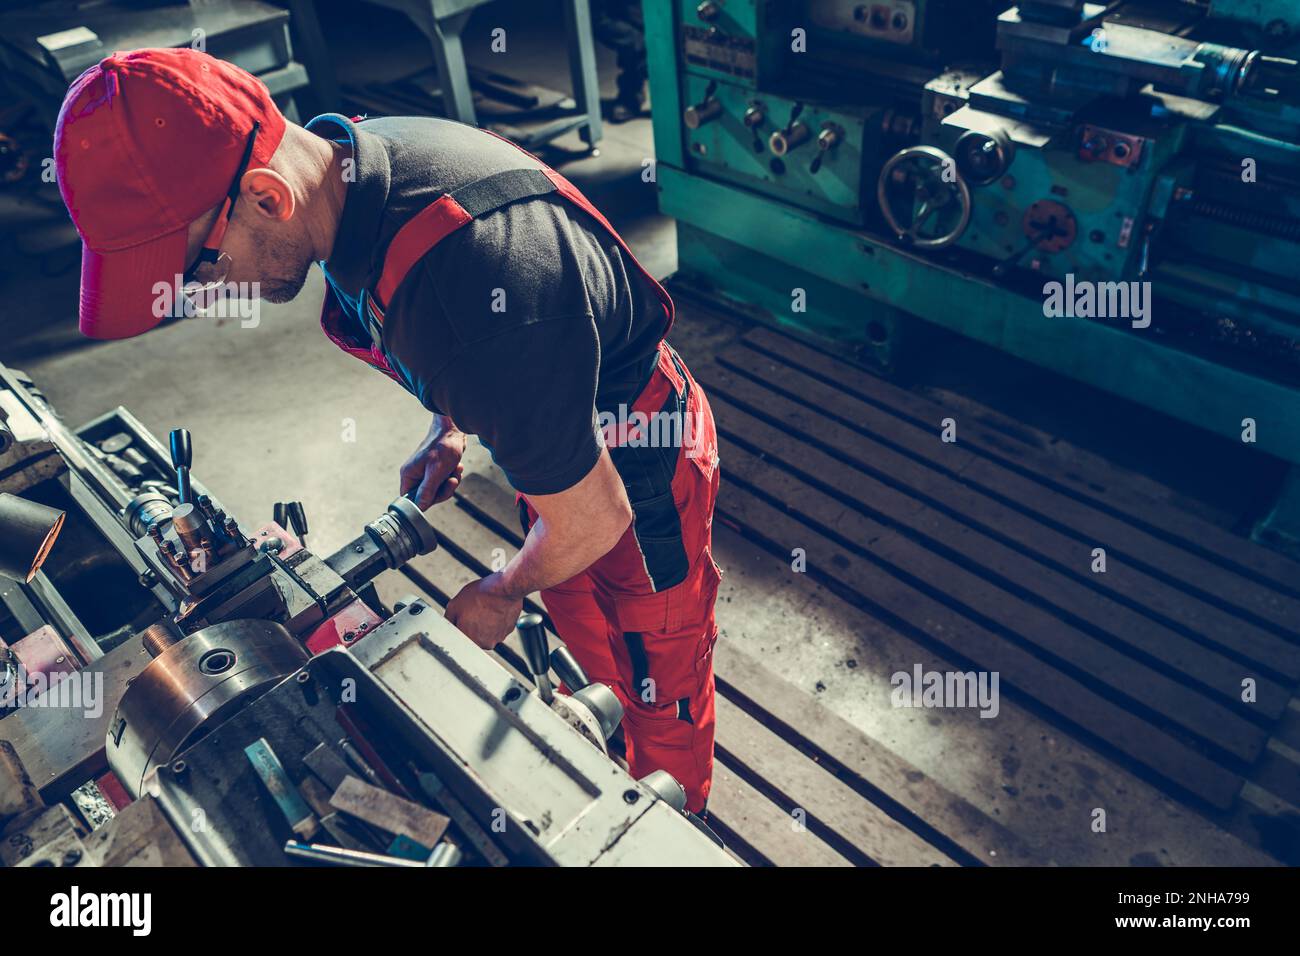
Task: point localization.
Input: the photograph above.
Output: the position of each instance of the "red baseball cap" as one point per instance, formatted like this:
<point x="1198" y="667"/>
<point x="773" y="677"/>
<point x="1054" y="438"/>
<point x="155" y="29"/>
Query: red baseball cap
<point x="148" y="142"/>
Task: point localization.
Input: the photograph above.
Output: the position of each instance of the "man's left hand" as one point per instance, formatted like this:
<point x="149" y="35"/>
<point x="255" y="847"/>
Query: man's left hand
<point x="483" y="613"/>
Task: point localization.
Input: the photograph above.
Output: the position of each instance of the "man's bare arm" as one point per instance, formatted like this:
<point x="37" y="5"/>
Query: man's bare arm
<point x="575" y="528"/>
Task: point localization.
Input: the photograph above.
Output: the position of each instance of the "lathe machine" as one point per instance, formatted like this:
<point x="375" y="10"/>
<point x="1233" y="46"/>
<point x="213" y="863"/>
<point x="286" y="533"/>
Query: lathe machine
<point x="240" y="700"/>
<point x="1109" y="190"/>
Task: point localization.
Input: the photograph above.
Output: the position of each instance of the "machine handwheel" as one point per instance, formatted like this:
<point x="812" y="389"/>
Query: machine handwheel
<point x="927" y="180"/>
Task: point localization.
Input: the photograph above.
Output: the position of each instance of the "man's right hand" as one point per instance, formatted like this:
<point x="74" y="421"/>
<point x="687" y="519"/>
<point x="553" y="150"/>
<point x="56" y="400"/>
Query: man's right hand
<point x="432" y="473"/>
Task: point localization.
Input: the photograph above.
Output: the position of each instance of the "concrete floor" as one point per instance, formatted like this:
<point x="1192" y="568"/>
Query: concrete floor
<point x="277" y="413"/>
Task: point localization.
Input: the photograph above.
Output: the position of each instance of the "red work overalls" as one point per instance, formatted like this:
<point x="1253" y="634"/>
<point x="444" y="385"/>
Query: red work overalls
<point x="641" y="618"/>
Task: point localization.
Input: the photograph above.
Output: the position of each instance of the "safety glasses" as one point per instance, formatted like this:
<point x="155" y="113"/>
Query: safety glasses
<point x="197" y="290"/>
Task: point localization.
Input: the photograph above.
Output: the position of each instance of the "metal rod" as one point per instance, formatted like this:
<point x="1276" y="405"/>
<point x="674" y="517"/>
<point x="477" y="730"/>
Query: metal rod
<point x="320" y="853"/>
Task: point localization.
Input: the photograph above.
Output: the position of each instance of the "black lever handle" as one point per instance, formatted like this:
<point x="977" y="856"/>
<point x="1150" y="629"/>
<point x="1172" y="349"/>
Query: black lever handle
<point x="298" y="519"/>
<point x="182" y="456"/>
<point x="537" y="650"/>
<point x="568" y="670"/>
<point x="290" y="516"/>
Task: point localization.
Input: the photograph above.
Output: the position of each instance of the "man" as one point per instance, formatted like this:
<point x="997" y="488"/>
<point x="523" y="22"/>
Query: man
<point x="484" y="284"/>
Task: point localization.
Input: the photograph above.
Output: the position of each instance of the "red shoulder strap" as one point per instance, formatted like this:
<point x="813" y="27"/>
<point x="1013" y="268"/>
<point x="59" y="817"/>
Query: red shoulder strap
<point x="450" y="212"/>
<point x="432" y="224"/>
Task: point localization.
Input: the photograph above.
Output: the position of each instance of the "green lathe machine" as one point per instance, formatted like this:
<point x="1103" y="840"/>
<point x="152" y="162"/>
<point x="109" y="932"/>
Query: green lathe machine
<point x="857" y="170"/>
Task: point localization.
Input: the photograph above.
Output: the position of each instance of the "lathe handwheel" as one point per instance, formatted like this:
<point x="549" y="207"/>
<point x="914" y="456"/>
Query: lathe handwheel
<point x="936" y="188"/>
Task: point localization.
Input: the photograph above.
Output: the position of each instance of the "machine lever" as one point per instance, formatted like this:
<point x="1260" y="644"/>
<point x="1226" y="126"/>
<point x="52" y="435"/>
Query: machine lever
<point x="1043" y="231"/>
<point x="536" y="649"/>
<point x="1144" y="260"/>
<point x="182" y="456"/>
<point x="1002" y="268"/>
<point x="298" y="520"/>
<point x="291" y="516"/>
<point x="568" y="669"/>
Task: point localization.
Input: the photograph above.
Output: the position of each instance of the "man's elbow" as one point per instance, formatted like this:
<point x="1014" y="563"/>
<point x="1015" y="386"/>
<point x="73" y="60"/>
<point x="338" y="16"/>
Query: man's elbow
<point x="619" y="520"/>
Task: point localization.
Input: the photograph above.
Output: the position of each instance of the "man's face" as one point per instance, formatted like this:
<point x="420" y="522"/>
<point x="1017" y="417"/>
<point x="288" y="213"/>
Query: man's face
<point x="269" y="255"/>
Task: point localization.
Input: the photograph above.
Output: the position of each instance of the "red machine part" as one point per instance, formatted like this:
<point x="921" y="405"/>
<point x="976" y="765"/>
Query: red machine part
<point x="290" y="544"/>
<point x="113" y="791"/>
<point x="348" y="626"/>
<point x="43" y="652"/>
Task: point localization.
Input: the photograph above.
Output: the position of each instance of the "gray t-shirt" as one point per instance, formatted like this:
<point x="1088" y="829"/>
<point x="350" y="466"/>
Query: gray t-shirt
<point x="521" y="325"/>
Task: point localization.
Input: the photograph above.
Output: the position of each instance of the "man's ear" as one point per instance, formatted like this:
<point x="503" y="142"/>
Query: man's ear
<point x="269" y="192"/>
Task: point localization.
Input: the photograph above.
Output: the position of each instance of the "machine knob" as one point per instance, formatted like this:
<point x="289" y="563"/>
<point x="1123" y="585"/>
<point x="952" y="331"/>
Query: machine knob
<point x="665" y="786"/>
<point x="604" y="706"/>
<point x="827" y="139"/>
<point x="754" y="117"/>
<point x="602" y="702"/>
<point x="708" y="11"/>
<point x="984" y="158"/>
<point x="784" y="140"/>
<point x="704" y="112"/>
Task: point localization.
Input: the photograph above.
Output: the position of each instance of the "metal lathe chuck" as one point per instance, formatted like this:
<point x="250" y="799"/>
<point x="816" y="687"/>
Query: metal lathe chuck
<point x="192" y="686"/>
